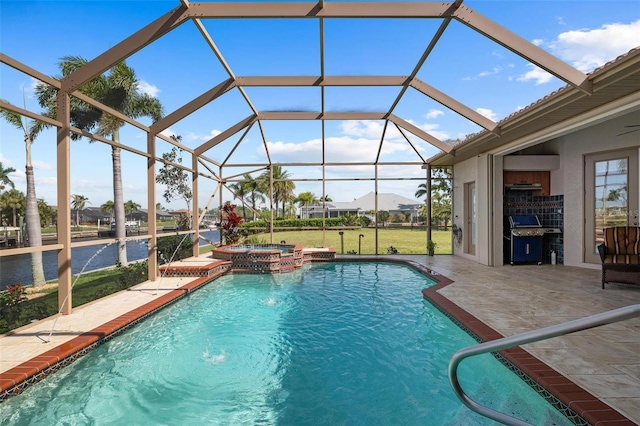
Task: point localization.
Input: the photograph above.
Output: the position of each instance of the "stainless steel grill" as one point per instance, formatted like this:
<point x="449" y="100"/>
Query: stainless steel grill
<point x="525" y="236"/>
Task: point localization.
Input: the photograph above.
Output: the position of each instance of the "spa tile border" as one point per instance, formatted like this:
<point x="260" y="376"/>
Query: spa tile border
<point x="14" y="381"/>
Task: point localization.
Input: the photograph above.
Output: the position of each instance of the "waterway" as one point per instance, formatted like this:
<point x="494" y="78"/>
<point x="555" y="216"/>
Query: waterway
<point x="17" y="269"/>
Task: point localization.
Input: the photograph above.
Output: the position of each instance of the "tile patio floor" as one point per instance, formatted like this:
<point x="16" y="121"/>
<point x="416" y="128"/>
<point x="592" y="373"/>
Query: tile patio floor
<point x="511" y="299"/>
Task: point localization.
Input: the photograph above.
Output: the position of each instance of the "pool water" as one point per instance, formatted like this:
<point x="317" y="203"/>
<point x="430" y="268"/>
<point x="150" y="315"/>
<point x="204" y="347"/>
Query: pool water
<point x="328" y="344"/>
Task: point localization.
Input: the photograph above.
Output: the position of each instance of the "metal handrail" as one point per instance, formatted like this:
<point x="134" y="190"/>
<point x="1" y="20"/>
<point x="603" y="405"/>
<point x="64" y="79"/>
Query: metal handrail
<point x="586" y="323"/>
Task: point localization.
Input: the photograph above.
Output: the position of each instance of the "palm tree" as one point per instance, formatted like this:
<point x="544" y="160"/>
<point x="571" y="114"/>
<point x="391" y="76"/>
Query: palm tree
<point x="255" y="191"/>
<point x="4" y="177"/>
<point x="13" y="200"/>
<point x="118" y="90"/>
<point x="325" y="198"/>
<point x="130" y="207"/>
<point x="304" y="200"/>
<point x="78" y="203"/>
<point x="282" y="187"/>
<point x="30" y="129"/>
<point x="108" y="207"/>
<point x="422" y="190"/>
<point x="291" y="207"/>
<point x="239" y="191"/>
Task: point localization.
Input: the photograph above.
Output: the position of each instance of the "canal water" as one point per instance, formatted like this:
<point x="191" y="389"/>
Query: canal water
<point x="17" y="269"/>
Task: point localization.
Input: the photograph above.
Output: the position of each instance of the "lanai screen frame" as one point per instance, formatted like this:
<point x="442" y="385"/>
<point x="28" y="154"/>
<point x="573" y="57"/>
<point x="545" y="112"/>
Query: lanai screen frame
<point x="320" y="10"/>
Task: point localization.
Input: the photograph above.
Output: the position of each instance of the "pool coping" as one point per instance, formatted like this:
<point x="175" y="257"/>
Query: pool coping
<point x="578" y="405"/>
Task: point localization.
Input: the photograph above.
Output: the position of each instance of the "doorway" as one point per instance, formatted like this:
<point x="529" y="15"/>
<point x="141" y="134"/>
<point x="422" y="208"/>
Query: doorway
<point x="611" y="196"/>
<point x="471" y="211"/>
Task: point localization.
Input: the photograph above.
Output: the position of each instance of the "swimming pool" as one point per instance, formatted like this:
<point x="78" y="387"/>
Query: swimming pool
<point x="331" y="343"/>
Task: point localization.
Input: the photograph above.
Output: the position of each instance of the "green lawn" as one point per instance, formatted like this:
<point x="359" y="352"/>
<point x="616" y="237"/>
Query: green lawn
<point x="405" y="240"/>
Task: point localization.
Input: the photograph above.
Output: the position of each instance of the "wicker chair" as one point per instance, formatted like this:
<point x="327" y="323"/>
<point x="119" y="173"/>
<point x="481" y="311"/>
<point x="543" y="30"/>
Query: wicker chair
<point x="620" y="255"/>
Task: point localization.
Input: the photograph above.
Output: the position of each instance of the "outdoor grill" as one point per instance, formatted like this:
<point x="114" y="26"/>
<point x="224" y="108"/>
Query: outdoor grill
<point x="525" y="235"/>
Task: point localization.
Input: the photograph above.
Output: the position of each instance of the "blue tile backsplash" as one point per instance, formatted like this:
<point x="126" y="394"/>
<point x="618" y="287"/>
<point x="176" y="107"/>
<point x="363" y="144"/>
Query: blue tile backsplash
<point x="550" y="212"/>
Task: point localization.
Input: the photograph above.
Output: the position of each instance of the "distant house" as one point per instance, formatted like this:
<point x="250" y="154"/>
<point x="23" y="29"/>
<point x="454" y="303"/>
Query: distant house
<point x="393" y="203"/>
<point x="93" y="214"/>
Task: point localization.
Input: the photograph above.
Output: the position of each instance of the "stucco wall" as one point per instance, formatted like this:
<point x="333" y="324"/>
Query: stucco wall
<point x="569" y="179"/>
<point x="473" y="170"/>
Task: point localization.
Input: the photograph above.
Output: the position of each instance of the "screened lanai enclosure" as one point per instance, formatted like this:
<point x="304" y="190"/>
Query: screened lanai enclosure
<point x="298" y="98"/>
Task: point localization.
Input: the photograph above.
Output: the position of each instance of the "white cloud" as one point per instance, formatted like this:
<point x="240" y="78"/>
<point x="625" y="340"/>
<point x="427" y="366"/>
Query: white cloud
<point x="486" y="112"/>
<point x="537" y="41"/>
<point x="168" y="132"/>
<point x="561" y="21"/>
<point x="4" y="160"/>
<point x="587" y="49"/>
<point x="535" y="74"/>
<point x="49" y="180"/>
<point x="41" y="165"/>
<point x="360" y="142"/>
<point x="494" y="70"/>
<point x="434" y="113"/>
<point x="148" y="88"/>
<point x="29" y="88"/>
<point x="432" y="129"/>
<point x="18" y="176"/>
<point x="364" y="128"/>
<point x="200" y="137"/>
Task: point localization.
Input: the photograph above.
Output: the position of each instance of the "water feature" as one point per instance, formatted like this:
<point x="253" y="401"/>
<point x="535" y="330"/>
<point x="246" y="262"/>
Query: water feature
<point x="17" y="269"/>
<point x="94" y="256"/>
<point x="331" y="343"/>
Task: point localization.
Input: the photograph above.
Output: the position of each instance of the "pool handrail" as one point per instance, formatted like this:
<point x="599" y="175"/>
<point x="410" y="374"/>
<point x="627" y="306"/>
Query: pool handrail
<point x="597" y="320"/>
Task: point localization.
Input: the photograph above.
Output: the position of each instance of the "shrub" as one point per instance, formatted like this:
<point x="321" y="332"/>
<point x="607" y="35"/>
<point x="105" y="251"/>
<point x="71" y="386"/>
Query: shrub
<point x="133" y="274"/>
<point x="294" y="223"/>
<point x="179" y="244"/>
<point x="350" y="220"/>
<point x="392" y="250"/>
<point x="365" y="221"/>
<point x="10" y="306"/>
<point x="230" y="223"/>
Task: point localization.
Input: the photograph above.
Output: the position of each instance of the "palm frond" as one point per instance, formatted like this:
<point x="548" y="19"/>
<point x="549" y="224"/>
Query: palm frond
<point x="143" y="105"/>
<point x="70" y="64"/>
<point x="12" y="118"/>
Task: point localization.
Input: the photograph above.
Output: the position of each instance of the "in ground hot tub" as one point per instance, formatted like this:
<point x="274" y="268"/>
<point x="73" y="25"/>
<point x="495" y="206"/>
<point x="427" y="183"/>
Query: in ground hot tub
<point x="259" y="258"/>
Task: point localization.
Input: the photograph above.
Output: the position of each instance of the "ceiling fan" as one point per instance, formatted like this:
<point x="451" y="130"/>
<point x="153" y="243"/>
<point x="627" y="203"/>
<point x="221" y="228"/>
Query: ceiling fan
<point x="630" y="131"/>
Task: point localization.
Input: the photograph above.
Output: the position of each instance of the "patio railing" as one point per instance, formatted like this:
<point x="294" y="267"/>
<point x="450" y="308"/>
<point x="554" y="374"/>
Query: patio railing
<point x="586" y="323"/>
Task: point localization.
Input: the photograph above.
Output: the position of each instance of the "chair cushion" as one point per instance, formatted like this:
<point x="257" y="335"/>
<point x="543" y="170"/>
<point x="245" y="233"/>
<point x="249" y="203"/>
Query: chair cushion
<point x="622" y="240"/>
<point x="626" y="259"/>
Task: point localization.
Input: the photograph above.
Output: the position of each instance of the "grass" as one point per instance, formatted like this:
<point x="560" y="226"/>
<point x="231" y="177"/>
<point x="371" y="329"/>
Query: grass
<point x="405" y="240"/>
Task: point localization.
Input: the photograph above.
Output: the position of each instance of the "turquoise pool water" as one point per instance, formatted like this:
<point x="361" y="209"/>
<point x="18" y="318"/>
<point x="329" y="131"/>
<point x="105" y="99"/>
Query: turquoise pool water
<point x="328" y="344"/>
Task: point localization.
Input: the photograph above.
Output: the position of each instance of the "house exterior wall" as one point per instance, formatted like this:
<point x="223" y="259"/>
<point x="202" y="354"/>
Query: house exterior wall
<point x="569" y="179"/>
<point x="476" y="170"/>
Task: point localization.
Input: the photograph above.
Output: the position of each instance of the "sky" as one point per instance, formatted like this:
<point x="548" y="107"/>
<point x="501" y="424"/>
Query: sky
<point x="180" y="66"/>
